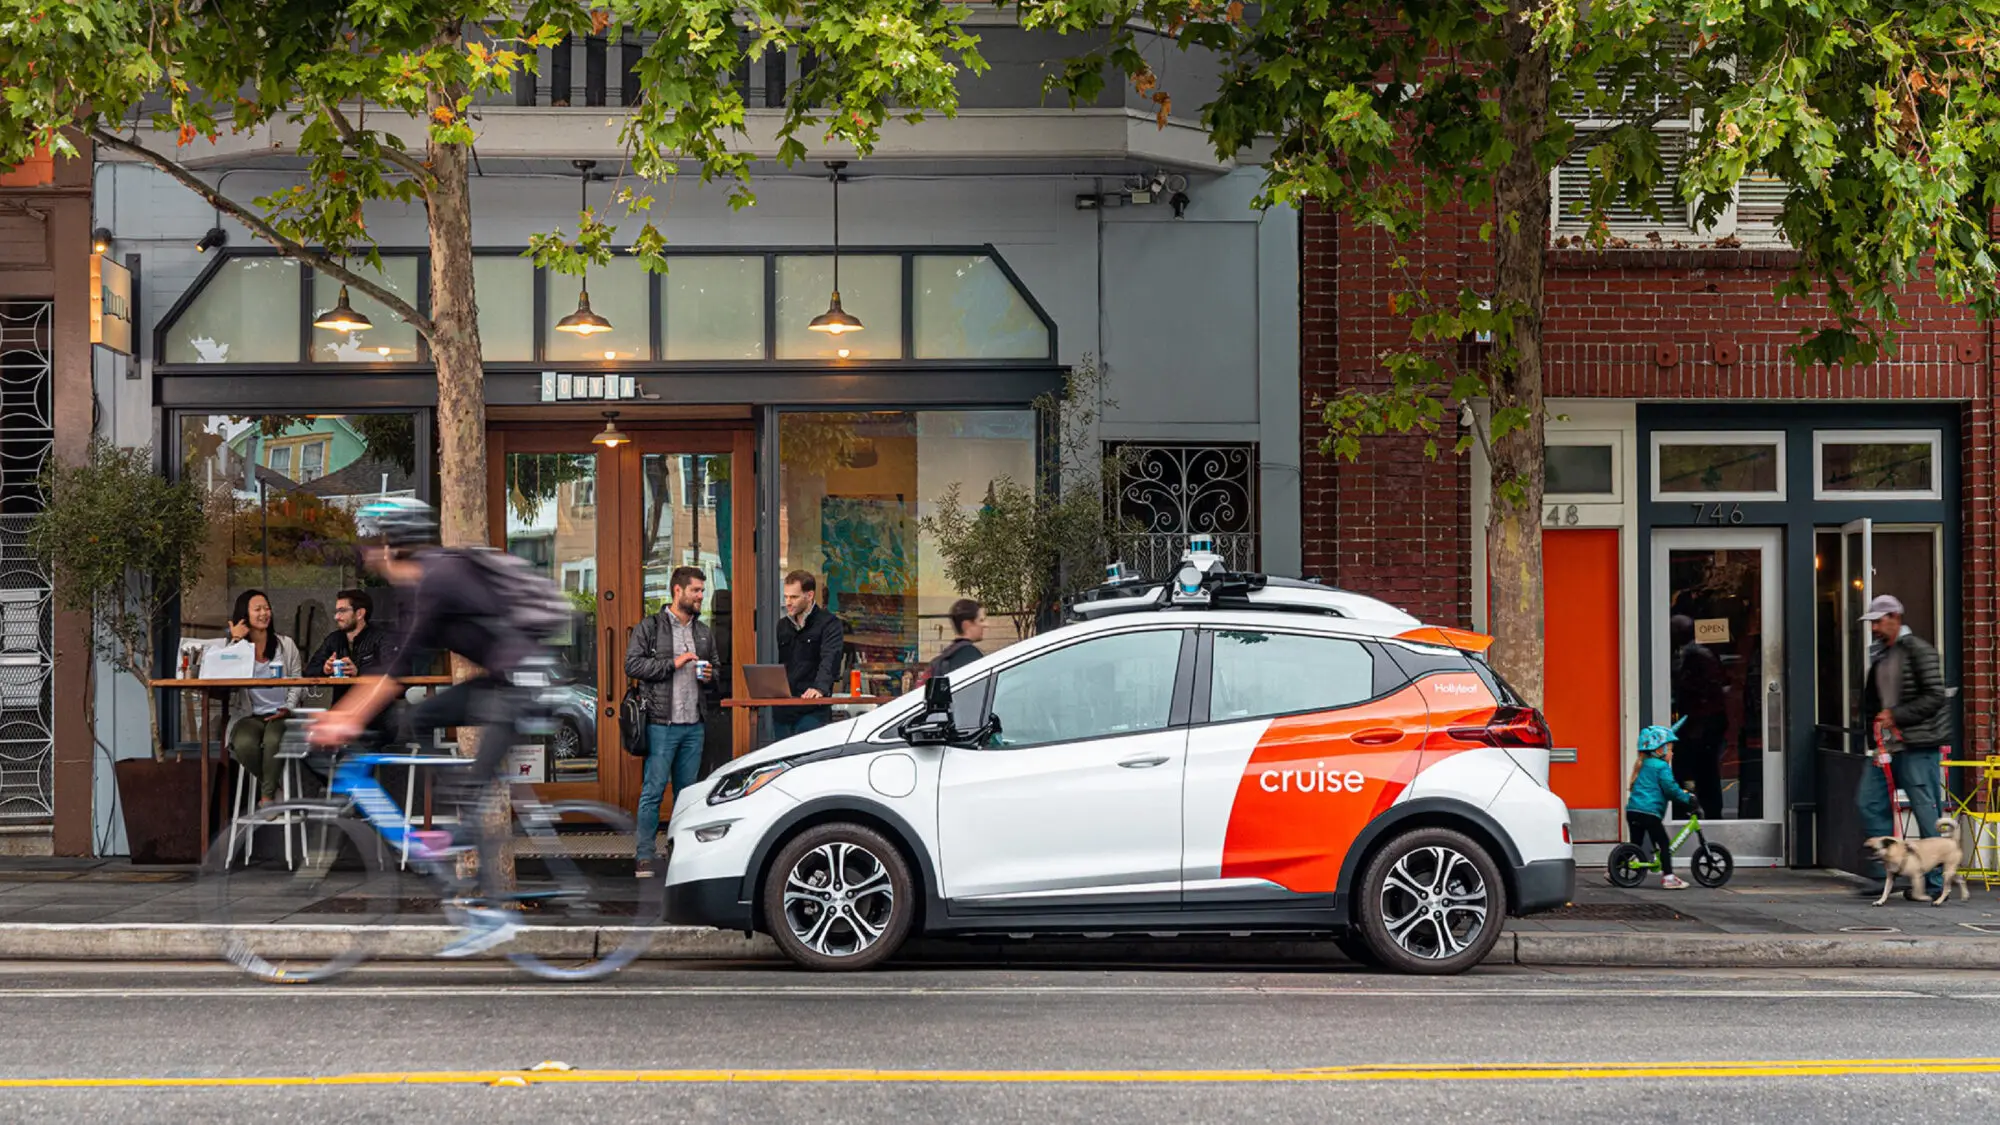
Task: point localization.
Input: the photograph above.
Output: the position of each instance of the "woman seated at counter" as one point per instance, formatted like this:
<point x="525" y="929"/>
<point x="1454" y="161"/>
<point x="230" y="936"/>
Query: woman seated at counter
<point x="257" y="715"/>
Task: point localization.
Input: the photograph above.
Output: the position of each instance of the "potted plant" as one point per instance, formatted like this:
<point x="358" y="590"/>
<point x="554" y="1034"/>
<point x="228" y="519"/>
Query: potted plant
<point x="1029" y="544"/>
<point x="123" y="544"/>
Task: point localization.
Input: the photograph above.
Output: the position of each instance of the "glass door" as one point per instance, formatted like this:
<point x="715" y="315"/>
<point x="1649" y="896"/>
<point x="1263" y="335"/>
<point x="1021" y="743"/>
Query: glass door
<point x="611" y="526"/>
<point x="1718" y="666"/>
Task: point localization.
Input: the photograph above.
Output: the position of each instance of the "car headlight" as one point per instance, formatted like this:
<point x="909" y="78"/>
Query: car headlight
<point x="733" y="786"/>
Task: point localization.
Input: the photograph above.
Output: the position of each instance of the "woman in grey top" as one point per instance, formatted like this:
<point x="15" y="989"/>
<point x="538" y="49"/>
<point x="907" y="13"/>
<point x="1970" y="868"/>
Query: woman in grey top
<point x="257" y="715"/>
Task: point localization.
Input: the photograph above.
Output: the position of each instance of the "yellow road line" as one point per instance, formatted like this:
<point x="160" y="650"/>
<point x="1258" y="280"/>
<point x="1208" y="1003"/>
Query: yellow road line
<point x="1778" y="1068"/>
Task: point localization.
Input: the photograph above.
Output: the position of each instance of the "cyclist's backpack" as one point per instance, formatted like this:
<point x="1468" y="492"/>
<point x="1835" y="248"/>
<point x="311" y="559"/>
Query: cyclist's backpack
<point x="528" y="603"/>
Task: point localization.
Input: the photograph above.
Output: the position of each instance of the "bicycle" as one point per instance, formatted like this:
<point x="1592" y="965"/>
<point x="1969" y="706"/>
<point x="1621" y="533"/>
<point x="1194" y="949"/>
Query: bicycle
<point x="363" y="862"/>
<point x="1710" y="864"/>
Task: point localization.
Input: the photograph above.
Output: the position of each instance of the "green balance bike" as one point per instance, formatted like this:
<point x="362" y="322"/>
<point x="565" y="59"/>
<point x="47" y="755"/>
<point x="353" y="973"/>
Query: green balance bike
<point x="1711" y="864"/>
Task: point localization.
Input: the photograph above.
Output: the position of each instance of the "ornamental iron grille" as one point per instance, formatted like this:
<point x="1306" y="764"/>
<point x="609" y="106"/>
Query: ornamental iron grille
<point x="1169" y="491"/>
<point x="27" y="437"/>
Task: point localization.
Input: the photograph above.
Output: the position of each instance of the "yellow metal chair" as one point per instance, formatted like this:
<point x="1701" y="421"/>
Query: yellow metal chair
<point x="1978" y="816"/>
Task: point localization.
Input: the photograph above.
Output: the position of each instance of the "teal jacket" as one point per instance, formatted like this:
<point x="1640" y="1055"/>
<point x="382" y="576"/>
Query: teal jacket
<point x="1653" y="785"/>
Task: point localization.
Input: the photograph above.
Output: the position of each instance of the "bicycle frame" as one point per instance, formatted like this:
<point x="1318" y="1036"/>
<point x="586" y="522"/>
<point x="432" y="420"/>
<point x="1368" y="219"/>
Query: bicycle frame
<point x="1691" y="828"/>
<point x="354" y="779"/>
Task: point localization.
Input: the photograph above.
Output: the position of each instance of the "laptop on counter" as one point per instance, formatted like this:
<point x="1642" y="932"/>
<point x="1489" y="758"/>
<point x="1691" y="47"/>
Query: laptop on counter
<point x="767" y="681"/>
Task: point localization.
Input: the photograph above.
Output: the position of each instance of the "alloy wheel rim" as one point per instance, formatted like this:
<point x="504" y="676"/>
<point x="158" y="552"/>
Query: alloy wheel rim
<point x="1434" y="903"/>
<point x="568" y="741"/>
<point x="839" y="899"/>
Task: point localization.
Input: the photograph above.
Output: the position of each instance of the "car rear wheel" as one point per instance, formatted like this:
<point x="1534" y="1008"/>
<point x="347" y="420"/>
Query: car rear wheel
<point x="1432" y="902"/>
<point x="839" y="897"/>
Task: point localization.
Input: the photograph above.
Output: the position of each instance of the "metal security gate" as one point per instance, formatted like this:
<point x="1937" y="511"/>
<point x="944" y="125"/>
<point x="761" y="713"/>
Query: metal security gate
<point x="27" y="748"/>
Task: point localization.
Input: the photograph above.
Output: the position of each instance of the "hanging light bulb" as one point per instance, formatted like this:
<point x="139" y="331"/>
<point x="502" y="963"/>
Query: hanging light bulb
<point x="612" y="437"/>
<point x="584" y="322"/>
<point x="835" y="319"/>
<point x="342" y="317"/>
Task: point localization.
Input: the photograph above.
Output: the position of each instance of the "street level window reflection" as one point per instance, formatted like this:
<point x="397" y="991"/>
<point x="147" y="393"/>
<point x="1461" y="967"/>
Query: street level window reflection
<point x="285" y="487"/>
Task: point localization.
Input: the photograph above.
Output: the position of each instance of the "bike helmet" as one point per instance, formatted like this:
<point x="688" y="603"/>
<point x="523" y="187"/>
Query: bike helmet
<point x="399" y="522"/>
<point x="1654" y="738"/>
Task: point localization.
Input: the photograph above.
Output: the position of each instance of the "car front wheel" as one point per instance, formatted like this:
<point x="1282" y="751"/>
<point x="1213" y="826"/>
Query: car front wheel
<point x="1431" y="902"/>
<point x="839" y="897"/>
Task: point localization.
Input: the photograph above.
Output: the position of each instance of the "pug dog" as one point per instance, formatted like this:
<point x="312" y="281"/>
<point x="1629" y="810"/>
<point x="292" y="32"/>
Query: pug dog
<point x="1914" y="859"/>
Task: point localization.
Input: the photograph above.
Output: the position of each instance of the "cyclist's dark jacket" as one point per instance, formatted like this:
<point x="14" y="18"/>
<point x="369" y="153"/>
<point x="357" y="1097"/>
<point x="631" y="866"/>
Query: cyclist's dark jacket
<point x="454" y="609"/>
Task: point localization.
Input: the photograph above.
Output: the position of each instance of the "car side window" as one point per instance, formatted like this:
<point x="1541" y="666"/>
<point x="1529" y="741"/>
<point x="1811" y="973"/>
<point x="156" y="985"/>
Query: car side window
<point x="1255" y="674"/>
<point x="1104" y="686"/>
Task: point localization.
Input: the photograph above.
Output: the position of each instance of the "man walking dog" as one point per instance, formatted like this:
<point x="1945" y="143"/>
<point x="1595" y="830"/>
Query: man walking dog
<point x="1904" y="711"/>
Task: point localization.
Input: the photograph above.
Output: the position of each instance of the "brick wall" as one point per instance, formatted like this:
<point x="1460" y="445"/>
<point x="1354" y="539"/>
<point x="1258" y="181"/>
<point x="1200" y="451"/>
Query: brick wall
<point x="1644" y="324"/>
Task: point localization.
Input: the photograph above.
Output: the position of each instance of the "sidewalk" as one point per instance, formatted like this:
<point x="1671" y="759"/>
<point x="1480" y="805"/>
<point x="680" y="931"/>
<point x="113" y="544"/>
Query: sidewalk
<point x="109" y="909"/>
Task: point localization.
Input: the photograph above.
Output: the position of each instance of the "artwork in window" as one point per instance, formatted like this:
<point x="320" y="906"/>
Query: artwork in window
<point x="1695" y="468"/>
<point x="1893" y="466"/>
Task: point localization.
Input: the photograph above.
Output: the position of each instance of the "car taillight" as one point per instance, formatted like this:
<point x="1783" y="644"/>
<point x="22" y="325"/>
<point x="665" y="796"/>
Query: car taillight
<point x="1510" y="726"/>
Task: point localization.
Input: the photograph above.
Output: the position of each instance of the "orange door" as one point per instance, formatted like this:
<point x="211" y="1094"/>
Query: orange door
<point x="1581" y="623"/>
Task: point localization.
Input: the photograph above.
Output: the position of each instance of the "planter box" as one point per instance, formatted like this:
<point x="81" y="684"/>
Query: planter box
<point x="162" y="806"/>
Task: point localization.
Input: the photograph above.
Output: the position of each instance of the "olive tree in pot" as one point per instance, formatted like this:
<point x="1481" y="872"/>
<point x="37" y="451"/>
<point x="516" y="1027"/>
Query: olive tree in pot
<point x="1030" y="544"/>
<point x="123" y="544"/>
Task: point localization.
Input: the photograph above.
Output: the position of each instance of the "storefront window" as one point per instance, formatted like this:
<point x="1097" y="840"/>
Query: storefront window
<point x="871" y="289"/>
<point x="620" y="293"/>
<point x="391" y="340"/>
<point x="966" y="308"/>
<point x="505" y="290"/>
<point x="247" y="313"/>
<point x="1882" y="465"/>
<point x="714" y="307"/>
<point x="1719" y="465"/>
<point x="285" y="487"/>
<point x="854" y="488"/>
<point x="552" y="523"/>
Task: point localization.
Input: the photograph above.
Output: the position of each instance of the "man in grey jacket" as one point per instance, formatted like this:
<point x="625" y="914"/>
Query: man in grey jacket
<point x="1905" y="710"/>
<point x="673" y="655"/>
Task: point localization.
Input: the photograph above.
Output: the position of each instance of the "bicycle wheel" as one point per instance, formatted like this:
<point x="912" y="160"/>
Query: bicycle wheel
<point x="1711" y="865"/>
<point x="307" y="913"/>
<point x="1622" y="866"/>
<point x="582" y="913"/>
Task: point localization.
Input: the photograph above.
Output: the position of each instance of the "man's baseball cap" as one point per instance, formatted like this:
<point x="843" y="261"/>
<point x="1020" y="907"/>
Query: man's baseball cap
<point x="1883" y="606"/>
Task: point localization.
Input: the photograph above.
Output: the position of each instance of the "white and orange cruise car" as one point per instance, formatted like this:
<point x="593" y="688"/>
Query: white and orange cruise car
<point x="1225" y="753"/>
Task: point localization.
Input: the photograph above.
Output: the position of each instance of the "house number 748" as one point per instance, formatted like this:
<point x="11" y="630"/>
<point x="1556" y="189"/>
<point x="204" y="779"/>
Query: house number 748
<point x="1716" y="513"/>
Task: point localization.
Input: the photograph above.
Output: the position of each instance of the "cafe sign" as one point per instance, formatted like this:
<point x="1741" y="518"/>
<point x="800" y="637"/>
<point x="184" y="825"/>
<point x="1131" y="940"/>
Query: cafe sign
<point x="110" y="305"/>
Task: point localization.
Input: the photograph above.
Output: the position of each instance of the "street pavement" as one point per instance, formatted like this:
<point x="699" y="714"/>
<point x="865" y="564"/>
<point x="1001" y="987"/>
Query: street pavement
<point x="720" y="1042"/>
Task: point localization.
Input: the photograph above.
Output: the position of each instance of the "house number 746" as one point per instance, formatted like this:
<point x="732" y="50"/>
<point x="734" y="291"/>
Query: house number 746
<point x="1716" y="513"/>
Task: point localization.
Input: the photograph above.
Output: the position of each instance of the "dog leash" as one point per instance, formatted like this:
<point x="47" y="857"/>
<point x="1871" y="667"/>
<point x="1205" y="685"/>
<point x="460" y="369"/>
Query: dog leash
<point x="1888" y="777"/>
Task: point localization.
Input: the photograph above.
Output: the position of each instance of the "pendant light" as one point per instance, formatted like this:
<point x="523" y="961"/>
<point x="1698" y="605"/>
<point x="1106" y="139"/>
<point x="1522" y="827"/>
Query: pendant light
<point x="584" y="322"/>
<point x="835" y="319"/>
<point x="612" y="437"/>
<point x="342" y="317"/>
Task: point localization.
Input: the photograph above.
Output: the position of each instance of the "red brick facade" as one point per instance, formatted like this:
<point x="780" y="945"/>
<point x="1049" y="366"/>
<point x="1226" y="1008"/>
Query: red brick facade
<point x="1656" y="325"/>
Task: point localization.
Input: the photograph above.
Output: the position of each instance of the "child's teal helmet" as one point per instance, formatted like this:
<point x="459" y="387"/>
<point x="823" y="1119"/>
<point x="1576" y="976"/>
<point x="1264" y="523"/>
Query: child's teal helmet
<point x="1655" y="738"/>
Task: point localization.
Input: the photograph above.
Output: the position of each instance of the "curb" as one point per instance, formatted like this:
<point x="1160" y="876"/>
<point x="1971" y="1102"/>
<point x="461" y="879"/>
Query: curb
<point x="111" y="941"/>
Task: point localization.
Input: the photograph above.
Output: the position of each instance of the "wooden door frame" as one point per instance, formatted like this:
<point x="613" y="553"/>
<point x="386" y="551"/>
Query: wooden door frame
<point x="620" y="491"/>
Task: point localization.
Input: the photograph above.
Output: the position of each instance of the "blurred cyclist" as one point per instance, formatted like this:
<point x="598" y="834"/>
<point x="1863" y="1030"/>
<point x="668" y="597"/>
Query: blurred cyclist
<point x="463" y="602"/>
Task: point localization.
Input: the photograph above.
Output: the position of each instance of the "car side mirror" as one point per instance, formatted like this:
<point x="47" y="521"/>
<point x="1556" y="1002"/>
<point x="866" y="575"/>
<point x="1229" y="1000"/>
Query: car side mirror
<point x="933" y="724"/>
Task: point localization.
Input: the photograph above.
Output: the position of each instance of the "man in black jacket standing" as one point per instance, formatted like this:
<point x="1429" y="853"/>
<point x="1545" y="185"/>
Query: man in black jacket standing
<point x="672" y="654"/>
<point x="810" y="641"/>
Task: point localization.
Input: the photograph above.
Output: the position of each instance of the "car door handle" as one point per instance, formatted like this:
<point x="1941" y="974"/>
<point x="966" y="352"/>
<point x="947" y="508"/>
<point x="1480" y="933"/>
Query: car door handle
<point x="1144" y="763"/>
<point x="1376" y="736"/>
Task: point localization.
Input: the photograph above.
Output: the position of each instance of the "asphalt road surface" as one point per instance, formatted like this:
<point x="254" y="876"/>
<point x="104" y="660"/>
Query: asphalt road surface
<point x="715" y="1043"/>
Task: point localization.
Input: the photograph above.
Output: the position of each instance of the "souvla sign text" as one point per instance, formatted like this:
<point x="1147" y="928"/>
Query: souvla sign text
<point x="110" y="305"/>
<point x="561" y="386"/>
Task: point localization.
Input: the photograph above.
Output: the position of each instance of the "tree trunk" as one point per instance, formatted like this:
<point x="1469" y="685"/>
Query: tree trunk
<point x="461" y="391"/>
<point x="1521" y="237"/>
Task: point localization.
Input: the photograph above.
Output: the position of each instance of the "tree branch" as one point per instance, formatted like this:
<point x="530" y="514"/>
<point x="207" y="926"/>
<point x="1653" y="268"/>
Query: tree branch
<point x="263" y="229"/>
<point x="400" y="159"/>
